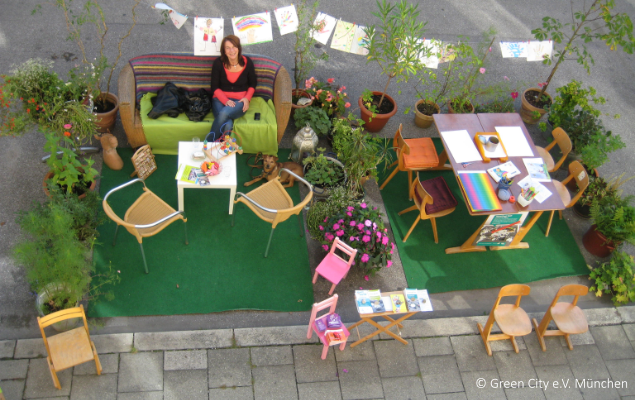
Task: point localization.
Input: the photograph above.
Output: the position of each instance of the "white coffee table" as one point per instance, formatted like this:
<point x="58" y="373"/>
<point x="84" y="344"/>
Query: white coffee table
<point x="225" y="180"/>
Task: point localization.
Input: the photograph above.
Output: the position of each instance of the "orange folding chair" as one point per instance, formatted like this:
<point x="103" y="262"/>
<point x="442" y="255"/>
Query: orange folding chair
<point x="329" y="303"/>
<point x="577" y="172"/>
<point x="412" y="155"/>
<point x="333" y="267"/>
<point x="563" y="141"/>
<point x="568" y="317"/>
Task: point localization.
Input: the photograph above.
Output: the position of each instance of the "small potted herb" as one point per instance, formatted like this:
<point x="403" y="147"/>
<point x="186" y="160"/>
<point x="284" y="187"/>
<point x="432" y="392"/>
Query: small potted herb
<point x="324" y="173"/>
<point x="613" y="224"/>
<point x="67" y="170"/>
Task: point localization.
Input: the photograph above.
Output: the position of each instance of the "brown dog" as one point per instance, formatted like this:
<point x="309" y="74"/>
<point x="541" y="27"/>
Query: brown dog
<point x="270" y="168"/>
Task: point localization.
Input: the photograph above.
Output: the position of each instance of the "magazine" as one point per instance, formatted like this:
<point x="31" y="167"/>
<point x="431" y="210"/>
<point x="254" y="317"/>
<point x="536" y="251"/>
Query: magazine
<point x="424" y="300"/>
<point x="335" y="336"/>
<point x="375" y="301"/>
<point x="500" y="229"/>
<point x="537" y="169"/>
<point x="363" y="302"/>
<point x="412" y="299"/>
<point x="507" y="169"/>
<point x="203" y="181"/>
<point x="189" y="174"/>
<point x="398" y="303"/>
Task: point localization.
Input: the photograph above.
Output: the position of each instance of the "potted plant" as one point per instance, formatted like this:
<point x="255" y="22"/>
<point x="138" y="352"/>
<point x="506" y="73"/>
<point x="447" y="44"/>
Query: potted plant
<point x="615" y="277"/>
<point x="395" y="45"/>
<point x="33" y="94"/>
<point x="304" y="49"/>
<point x="314" y="116"/>
<point x="106" y="104"/>
<point x="363" y="229"/>
<point x="597" y="189"/>
<point x="359" y="151"/>
<point x="330" y="98"/>
<point x="324" y="173"/>
<point x="67" y="171"/>
<point x="56" y="252"/>
<point x="613" y="224"/>
<point x="339" y="198"/>
<point x="593" y="22"/>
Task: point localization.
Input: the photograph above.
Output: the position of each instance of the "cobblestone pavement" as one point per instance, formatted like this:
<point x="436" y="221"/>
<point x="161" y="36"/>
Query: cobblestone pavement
<point x="444" y="359"/>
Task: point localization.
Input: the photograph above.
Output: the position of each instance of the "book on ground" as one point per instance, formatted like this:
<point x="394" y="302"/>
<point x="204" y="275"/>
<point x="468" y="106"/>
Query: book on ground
<point x="479" y="191"/>
<point x="507" y="169"/>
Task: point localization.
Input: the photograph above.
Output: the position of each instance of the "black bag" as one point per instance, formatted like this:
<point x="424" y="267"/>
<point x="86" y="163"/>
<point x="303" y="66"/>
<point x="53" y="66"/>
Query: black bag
<point x="167" y="101"/>
<point x="199" y="105"/>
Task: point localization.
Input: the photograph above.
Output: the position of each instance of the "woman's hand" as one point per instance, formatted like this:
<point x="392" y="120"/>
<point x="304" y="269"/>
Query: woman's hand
<point x="230" y="103"/>
<point x="245" y="104"/>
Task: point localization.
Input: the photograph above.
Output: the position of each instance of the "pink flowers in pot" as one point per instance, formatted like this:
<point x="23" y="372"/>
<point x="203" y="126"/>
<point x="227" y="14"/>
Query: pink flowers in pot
<point x="363" y="229"/>
<point x="327" y="96"/>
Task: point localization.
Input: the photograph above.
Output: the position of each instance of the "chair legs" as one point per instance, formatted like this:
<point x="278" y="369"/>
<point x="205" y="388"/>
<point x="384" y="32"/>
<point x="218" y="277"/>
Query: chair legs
<point x="269" y="243"/>
<point x="300" y="226"/>
<point x="325" y="351"/>
<point x="412" y="228"/>
<point x="541" y="331"/>
<point x="115" y="238"/>
<point x="143" y="255"/>
<point x="551" y="219"/>
<point x="185" y="228"/>
<point x="392" y="175"/>
<point x="56" y="381"/>
<point x="97" y="362"/>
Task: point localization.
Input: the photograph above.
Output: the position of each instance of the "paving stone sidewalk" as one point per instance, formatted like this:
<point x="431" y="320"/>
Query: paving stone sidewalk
<point x="444" y="359"/>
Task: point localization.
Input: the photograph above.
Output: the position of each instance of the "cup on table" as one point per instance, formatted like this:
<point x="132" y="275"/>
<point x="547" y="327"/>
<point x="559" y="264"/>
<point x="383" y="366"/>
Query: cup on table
<point x="491" y="143"/>
<point x="196" y="143"/>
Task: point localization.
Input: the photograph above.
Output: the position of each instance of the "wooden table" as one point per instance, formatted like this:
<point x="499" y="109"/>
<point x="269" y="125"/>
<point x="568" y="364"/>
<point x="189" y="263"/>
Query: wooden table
<point x="473" y="123"/>
<point x="386" y="315"/>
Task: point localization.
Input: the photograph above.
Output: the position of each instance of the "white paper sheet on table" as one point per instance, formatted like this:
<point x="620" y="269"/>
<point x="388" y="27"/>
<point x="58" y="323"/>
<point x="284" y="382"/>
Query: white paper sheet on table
<point x="461" y="146"/>
<point x="515" y="141"/>
<point x="424" y="300"/>
<point x="543" y="192"/>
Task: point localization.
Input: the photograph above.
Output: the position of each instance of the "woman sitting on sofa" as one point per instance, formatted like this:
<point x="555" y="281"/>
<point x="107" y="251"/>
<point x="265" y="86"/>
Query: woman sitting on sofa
<point x="233" y="85"/>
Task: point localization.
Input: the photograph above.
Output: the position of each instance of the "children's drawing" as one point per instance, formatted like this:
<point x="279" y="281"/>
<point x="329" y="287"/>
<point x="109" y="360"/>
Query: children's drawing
<point x="513" y="49"/>
<point x="360" y="41"/>
<point x="537" y="51"/>
<point x="177" y="18"/>
<point x="326" y="24"/>
<point x="447" y="53"/>
<point x="287" y="19"/>
<point x="254" y="28"/>
<point x="343" y="36"/>
<point x="208" y="33"/>
<point x="432" y="60"/>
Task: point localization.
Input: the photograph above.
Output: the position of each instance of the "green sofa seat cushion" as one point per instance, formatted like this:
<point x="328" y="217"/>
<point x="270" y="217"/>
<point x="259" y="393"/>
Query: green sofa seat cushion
<point x="164" y="133"/>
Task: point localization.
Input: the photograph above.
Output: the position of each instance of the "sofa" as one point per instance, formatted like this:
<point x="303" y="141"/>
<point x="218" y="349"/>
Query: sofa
<point x="144" y="75"/>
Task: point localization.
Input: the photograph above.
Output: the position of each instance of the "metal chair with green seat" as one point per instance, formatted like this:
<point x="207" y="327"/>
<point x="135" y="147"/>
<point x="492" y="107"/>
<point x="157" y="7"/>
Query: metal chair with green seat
<point x="271" y="203"/>
<point x="147" y="216"/>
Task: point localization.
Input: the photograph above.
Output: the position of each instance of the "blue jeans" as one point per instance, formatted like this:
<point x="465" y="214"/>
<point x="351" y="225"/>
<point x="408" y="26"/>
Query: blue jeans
<point x="224" y="117"/>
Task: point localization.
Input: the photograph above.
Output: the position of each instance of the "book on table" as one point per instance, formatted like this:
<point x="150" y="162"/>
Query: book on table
<point x="375" y="301"/>
<point x="412" y="299"/>
<point x="479" y="191"/>
<point x="362" y="300"/>
<point x="507" y="169"/>
<point x="537" y="169"/>
<point x="189" y="174"/>
<point x="398" y="303"/>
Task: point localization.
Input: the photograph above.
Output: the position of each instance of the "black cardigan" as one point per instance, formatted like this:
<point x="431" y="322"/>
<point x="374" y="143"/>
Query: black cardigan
<point x="247" y="79"/>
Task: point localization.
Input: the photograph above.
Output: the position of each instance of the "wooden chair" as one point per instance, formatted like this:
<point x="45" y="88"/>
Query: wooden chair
<point x="333" y="267"/>
<point x="329" y="303"/>
<point x="568" y="317"/>
<point x="412" y="155"/>
<point x="69" y="348"/>
<point x="271" y="203"/>
<point x="511" y="319"/>
<point x="563" y="141"/>
<point x="433" y="199"/>
<point x="577" y="172"/>
<point x="147" y="216"/>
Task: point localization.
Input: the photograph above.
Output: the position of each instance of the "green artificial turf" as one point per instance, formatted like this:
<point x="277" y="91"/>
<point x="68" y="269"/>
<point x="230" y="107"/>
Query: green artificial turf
<point x="221" y="269"/>
<point x="427" y="266"/>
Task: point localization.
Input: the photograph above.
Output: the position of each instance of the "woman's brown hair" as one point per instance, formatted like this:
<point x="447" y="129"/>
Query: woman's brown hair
<point x="235" y="40"/>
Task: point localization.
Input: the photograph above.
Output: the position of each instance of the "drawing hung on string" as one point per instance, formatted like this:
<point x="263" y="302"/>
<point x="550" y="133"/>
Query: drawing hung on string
<point x="254" y="28"/>
<point x="513" y="49"/>
<point x="343" y="36"/>
<point x="287" y="19"/>
<point x="538" y="51"/>
<point x="360" y="41"/>
<point x="325" y="24"/>
<point x="208" y="33"/>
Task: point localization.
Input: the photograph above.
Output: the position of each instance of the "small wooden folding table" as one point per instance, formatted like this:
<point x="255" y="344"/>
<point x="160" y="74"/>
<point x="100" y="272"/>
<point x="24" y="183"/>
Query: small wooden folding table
<point x="386" y="315"/>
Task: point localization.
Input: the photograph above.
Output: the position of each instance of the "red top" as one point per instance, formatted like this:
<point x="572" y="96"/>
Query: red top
<point x="232" y="77"/>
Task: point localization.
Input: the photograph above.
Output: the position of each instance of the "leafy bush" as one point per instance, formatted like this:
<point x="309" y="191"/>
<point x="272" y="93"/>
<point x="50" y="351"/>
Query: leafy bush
<point x="323" y="172"/>
<point x="615" y="277"/>
<point x="614" y="218"/>
<point x="315" y="117"/>
<point x="339" y="198"/>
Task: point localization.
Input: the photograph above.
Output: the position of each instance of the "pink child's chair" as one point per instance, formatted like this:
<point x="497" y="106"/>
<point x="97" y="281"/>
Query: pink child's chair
<point x="329" y="303"/>
<point x="333" y="267"/>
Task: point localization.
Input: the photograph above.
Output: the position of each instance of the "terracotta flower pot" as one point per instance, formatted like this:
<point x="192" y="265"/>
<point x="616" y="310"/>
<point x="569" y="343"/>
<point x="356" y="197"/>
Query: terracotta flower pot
<point x="50" y="174"/>
<point x="527" y="110"/>
<point x="422" y="120"/>
<point x="376" y="123"/>
<point x="300" y="93"/>
<point x="452" y="111"/>
<point x="106" y="121"/>
<point x="595" y="243"/>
